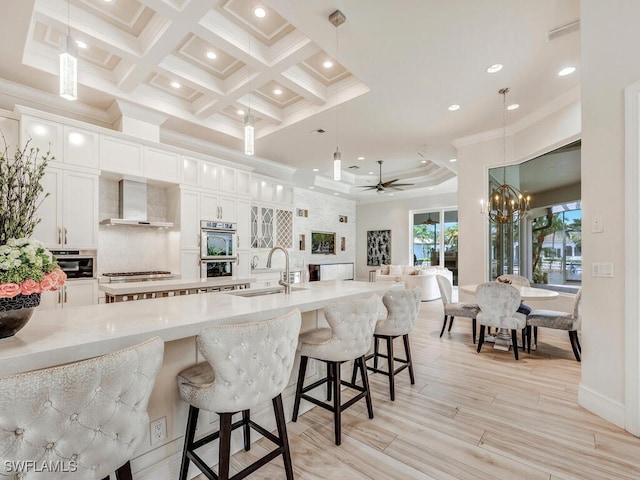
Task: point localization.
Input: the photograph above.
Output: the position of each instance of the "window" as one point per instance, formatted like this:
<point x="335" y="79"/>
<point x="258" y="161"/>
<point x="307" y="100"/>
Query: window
<point x="557" y="245"/>
<point x="435" y="239"/>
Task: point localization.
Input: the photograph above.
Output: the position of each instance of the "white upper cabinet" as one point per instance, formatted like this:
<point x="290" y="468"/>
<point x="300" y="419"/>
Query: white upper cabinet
<point x="161" y="164"/>
<point x="190" y="171"/>
<point x="80" y="147"/>
<point x="69" y="214"/>
<point x="227" y="179"/>
<point x="209" y="176"/>
<point x="44" y="135"/>
<point x="120" y="156"/>
<point x="268" y="191"/>
<point x="243" y="183"/>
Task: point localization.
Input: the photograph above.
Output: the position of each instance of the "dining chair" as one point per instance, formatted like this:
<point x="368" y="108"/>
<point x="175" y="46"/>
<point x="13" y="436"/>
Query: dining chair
<point x="559" y="320"/>
<point x="455" y="309"/>
<point x="498" y="304"/>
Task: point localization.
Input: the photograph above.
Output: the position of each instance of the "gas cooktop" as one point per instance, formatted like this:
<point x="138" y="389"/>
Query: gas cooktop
<point x="139" y="276"/>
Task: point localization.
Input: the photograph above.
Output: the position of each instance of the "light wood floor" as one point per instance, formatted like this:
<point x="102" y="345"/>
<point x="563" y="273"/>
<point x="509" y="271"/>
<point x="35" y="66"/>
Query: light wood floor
<point x="468" y="416"/>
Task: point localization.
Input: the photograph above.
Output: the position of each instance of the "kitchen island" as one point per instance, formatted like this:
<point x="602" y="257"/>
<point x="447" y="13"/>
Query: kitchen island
<point x="61" y="336"/>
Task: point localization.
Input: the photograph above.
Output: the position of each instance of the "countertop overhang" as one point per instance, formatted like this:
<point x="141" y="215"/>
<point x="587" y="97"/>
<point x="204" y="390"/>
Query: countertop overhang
<point x="71" y="334"/>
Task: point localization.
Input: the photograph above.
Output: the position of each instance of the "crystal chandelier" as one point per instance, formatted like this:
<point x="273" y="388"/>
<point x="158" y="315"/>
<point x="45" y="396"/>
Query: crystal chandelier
<point x="506" y="203"/>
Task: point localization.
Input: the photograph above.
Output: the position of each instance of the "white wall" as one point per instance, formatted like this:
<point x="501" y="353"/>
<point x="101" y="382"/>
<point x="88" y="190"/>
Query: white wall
<point x="610" y="39"/>
<point x="394" y="216"/>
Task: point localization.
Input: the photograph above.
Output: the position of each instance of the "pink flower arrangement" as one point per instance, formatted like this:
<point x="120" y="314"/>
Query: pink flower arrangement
<point x="27" y="267"/>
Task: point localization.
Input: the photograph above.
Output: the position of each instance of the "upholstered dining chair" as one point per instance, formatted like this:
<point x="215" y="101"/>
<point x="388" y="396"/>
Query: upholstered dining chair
<point x="455" y="309"/>
<point x="348" y="338"/>
<point x="498" y="304"/>
<point x="569" y="321"/>
<point x="246" y="364"/>
<point x="87" y="418"/>
<point x="402" y="308"/>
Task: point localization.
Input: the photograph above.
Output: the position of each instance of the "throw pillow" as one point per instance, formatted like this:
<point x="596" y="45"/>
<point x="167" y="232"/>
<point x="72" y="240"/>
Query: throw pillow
<point x="384" y="270"/>
<point x="395" y="270"/>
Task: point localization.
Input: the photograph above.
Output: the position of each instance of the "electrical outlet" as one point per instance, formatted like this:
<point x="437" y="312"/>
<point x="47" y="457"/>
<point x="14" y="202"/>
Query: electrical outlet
<point x="158" y="430"/>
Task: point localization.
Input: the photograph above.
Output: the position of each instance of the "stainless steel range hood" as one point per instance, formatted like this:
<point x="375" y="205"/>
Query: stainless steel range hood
<point x="132" y="206"/>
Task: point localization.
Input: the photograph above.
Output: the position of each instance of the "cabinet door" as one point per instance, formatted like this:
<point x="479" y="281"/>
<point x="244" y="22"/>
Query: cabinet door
<point x="227" y="178"/>
<point x="190" y="264"/>
<point x="243" y="182"/>
<point x="209" y="207"/>
<point x="209" y="176"/>
<point x="266" y="227"/>
<point x="79" y="293"/>
<point x="49" y="229"/>
<point x="243" y="224"/>
<point x="161" y="165"/>
<point x="44" y="135"/>
<point x="227" y="209"/>
<point x="50" y="300"/>
<point x="190" y="171"/>
<point x="120" y="156"/>
<point x="189" y="219"/>
<point x="243" y="265"/>
<point x="80" y="210"/>
<point x="255" y="226"/>
<point x="80" y="147"/>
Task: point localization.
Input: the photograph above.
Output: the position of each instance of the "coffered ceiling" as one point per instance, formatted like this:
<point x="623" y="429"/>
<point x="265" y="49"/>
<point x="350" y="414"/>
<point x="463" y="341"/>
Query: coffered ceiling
<point x="395" y="68"/>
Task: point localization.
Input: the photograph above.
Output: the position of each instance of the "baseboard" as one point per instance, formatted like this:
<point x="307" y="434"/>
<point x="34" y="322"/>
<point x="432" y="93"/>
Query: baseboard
<point x="602" y="406"/>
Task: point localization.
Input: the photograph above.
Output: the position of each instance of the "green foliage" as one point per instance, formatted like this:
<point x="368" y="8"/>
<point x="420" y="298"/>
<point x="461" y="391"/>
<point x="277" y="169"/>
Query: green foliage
<point x="20" y="191"/>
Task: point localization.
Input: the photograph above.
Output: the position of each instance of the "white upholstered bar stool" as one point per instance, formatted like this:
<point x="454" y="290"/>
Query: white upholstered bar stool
<point x="349" y="338"/>
<point x="85" y="419"/>
<point x="402" y="308"/>
<point x="246" y="365"/>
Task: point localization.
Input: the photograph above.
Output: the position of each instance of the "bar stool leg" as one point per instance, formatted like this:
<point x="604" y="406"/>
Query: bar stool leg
<point x="301" y="373"/>
<point x="246" y="430"/>
<point x="365" y="384"/>
<point x="375" y="352"/>
<point x="188" y="440"/>
<point x="224" y="449"/>
<point x="407" y="351"/>
<point x="329" y="382"/>
<point x="337" y="420"/>
<point x="281" y="424"/>
<point x="124" y="472"/>
<point x="392" y="387"/>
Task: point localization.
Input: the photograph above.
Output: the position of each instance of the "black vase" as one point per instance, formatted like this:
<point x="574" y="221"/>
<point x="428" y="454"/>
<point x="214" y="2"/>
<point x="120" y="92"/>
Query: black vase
<point x="15" y="313"/>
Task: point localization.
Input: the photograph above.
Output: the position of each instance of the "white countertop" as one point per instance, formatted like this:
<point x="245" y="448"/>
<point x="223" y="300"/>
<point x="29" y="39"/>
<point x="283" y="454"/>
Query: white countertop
<point x="53" y="337"/>
<point x="132" y="288"/>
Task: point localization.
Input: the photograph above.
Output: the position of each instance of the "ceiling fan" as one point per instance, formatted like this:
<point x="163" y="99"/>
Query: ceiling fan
<point x="381" y="187"/>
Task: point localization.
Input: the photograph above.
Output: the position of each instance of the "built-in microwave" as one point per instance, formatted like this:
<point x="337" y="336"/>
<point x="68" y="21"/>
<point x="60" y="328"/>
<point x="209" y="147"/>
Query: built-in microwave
<point x="217" y="240"/>
<point x="77" y="264"/>
<point x="217" y="268"/>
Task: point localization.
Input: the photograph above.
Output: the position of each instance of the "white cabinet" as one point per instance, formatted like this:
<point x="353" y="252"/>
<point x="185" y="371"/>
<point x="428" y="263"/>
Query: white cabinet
<point x="69" y="214"/>
<point x="74" y="293"/>
<point x="190" y="171"/>
<point x="161" y="165"/>
<point x="262" y="224"/>
<point x="80" y="147"/>
<point x="120" y="156"/>
<point x="189" y="219"/>
<point x="243" y="265"/>
<point x="190" y="264"/>
<point x="243" y="224"/>
<point x="216" y="207"/>
<point x="44" y="135"/>
<point x="268" y="191"/>
<point x="243" y="183"/>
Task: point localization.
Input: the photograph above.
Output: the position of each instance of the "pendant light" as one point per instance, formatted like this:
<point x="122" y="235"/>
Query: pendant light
<point x="68" y="64"/>
<point x="337" y="18"/>
<point x="249" y="120"/>
<point x="506" y="204"/>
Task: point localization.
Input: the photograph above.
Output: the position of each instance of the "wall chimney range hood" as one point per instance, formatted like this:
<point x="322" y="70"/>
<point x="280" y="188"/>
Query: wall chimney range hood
<point x="132" y="206"/>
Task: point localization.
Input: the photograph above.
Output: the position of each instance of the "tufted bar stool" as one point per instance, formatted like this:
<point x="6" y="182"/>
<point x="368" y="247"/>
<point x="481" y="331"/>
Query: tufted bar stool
<point x="349" y="337"/>
<point x="79" y="421"/>
<point x="246" y="365"/>
<point x="402" y="308"/>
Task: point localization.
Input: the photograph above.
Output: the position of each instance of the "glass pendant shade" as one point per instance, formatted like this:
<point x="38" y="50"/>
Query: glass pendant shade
<point x="68" y="68"/>
<point x="248" y="134"/>
<point x="337" y="165"/>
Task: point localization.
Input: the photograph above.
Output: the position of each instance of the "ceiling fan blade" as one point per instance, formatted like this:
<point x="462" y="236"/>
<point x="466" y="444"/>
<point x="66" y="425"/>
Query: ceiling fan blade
<point x="367" y="187"/>
<point x="400" y="185"/>
<point x="389" y="182"/>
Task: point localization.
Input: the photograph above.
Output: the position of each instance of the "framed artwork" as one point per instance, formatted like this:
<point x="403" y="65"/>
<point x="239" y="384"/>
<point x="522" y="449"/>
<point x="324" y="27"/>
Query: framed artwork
<point x="323" y="243"/>
<point x="378" y="247"/>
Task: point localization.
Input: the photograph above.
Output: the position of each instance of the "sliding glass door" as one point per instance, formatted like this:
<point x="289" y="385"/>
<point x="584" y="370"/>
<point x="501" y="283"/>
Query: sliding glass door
<point x="435" y="239"/>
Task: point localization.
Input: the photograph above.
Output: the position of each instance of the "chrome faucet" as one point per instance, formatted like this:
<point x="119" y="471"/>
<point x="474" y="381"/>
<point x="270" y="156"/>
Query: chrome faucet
<point x="254" y="262"/>
<point x="284" y="283"/>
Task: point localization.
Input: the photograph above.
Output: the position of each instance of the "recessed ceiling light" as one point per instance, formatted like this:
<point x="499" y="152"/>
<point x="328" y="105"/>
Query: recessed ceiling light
<point x="360" y="158"/>
<point x="453" y="160"/>
<point x="513" y="106"/>
<point x="454" y="107"/>
<point x="108" y="1"/>
<point x="430" y="188"/>
<point x="370" y="173"/>
<point x="260" y="12"/>
<point x="391" y="194"/>
<point x="211" y="55"/>
<point x="496" y="67"/>
<point x="277" y="91"/>
<point x="240" y="112"/>
<point x="316" y="169"/>
<point x="423" y="161"/>
<point x="81" y="44"/>
<point x="327" y="64"/>
<point x="566" y="71"/>
<point x="175" y="85"/>
<point x="336" y="193"/>
<point x="311" y="188"/>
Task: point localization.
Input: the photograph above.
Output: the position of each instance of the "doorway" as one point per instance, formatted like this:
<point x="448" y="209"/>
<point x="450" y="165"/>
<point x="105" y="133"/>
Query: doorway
<point x="435" y="238"/>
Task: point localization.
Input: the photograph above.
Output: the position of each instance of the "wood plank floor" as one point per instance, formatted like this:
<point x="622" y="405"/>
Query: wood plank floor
<point x="468" y="416"/>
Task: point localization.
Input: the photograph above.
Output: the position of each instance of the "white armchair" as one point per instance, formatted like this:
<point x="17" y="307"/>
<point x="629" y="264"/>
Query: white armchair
<point x="421" y="277"/>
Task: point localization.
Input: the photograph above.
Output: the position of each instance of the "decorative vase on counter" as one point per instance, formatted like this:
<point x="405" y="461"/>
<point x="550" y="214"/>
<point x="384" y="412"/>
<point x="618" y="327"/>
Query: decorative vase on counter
<point x="15" y="312"/>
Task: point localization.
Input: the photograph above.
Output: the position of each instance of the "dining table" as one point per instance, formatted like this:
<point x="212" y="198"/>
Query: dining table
<point x="502" y="340"/>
